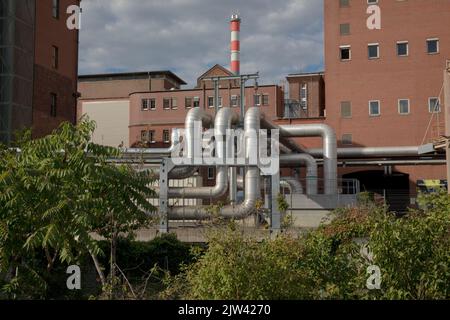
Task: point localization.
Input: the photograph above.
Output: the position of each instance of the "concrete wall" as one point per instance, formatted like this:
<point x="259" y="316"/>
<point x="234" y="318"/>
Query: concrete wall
<point x="112" y="118"/>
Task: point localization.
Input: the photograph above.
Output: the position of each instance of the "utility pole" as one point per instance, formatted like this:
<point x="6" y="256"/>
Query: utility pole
<point x="447" y="118"/>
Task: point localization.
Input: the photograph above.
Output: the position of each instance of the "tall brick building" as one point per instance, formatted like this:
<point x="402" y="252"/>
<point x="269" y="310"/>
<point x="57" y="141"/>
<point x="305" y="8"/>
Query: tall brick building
<point x="38" y="66"/>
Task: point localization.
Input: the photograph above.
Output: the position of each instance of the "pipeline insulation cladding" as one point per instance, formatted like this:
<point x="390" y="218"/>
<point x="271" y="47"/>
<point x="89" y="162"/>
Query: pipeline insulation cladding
<point x="235" y="44"/>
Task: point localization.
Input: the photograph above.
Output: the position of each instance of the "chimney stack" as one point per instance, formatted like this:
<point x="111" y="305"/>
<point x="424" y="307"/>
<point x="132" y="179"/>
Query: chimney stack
<point x="235" y="44"/>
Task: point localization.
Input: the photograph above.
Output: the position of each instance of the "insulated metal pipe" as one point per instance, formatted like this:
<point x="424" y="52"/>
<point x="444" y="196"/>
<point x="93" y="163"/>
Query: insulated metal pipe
<point x="374" y="152"/>
<point x="329" y="149"/>
<point x="252" y="180"/>
<point x="297" y="159"/>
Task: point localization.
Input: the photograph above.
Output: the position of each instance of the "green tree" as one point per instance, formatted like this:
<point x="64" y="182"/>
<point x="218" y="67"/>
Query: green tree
<point x="55" y="194"/>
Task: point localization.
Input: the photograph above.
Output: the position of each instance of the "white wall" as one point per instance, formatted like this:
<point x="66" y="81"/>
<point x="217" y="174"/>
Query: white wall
<point x="112" y="118"/>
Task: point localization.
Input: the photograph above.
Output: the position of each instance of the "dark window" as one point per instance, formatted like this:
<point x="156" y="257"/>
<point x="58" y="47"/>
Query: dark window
<point x="434" y="105"/>
<point x="432" y="45"/>
<point x="402" y="49"/>
<point x="211" y="102"/>
<point x="55" y="9"/>
<point x="53" y="104"/>
<point x="55" y="57"/>
<point x="144" y="105"/>
<point x="257" y="99"/>
<point x="174" y="103"/>
<point x="345" y="53"/>
<point x="211" y="173"/>
<point x="265" y="99"/>
<point x="151" y="136"/>
<point x="166" y="103"/>
<point x="152" y="104"/>
<point x="144" y="135"/>
<point x="344" y="3"/>
<point x="234" y="100"/>
<point x="347" y="139"/>
<point x="374" y="51"/>
<point x="196" y="102"/>
<point x="188" y="103"/>
<point x="166" y="136"/>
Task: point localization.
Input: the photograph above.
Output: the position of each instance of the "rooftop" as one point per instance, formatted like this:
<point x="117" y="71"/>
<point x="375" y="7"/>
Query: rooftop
<point x="131" y="76"/>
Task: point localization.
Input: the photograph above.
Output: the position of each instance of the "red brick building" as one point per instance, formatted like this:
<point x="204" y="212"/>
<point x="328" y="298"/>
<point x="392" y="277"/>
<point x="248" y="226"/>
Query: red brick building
<point x="39" y="66"/>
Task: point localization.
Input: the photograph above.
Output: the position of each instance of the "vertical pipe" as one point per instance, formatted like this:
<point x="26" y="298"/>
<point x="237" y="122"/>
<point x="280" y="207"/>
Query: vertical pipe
<point x="447" y="118"/>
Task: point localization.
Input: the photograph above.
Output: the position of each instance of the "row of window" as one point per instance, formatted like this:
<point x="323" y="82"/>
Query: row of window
<point x="373" y="49"/>
<point x="149" y="136"/>
<point x="403" y="107"/>
<point x="194" y="102"/>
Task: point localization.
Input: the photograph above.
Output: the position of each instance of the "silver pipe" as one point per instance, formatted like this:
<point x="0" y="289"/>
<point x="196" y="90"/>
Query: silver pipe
<point x="286" y="145"/>
<point x="252" y="180"/>
<point x="154" y="151"/>
<point x="233" y="185"/>
<point x="371" y="152"/>
<point x="294" y="186"/>
<point x="225" y="118"/>
<point x="296" y="159"/>
<point x="329" y="149"/>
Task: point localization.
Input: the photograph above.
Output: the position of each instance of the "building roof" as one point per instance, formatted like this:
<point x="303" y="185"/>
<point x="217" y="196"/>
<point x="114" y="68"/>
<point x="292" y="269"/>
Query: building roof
<point x="216" y="69"/>
<point x="130" y="76"/>
<point x="305" y="74"/>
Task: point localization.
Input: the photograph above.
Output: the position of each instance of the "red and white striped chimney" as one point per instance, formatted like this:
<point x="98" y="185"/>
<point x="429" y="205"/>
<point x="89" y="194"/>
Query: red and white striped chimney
<point x="235" y="44"/>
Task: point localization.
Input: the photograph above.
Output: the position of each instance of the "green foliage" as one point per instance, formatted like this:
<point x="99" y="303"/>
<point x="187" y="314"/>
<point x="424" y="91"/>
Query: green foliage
<point x="55" y="193"/>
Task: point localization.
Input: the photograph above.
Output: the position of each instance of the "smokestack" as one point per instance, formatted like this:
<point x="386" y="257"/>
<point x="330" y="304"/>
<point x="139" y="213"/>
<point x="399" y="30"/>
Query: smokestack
<point x="235" y="44"/>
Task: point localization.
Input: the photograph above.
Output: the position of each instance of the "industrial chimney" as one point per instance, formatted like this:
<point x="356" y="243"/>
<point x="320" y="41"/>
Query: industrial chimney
<point x="235" y="44"/>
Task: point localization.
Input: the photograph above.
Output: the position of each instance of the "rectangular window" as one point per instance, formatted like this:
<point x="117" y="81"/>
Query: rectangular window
<point x="166" y="136"/>
<point x="188" y="103"/>
<point x="210" y="102"/>
<point x="345" y="53"/>
<point x="304" y="96"/>
<point x="151" y="136"/>
<point x="372" y="1"/>
<point x="53" y="104"/>
<point x="211" y="173"/>
<point x="344" y="29"/>
<point x="347" y="139"/>
<point x="402" y="48"/>
<point x="174" y="103"/>
<point x="234" y="101"/>
<point x="403" y="106"/>
<point x="374" y="108"/>
<point x="55" y="57"/>
<point x="144" y="104"/>
<point x="257" y="99"/>
<point x="166" y="103"/>
<point x="144" y="135"/>
<point x="152" y="104"/>
<point x="346" y="109"/>
<point x="265" y="99"/>
<point x="196" y="102"/>
<point x="434" y="105"/>
<point x="432" y="46"/>
<point x="344" y="3"/>
<point x="55" y="9"/>
<point x="220" y="102"/>
<point x="373" y="50"/>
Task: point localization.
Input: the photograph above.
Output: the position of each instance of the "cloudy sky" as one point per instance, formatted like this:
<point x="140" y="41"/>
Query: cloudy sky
<point x="278" y="37"/>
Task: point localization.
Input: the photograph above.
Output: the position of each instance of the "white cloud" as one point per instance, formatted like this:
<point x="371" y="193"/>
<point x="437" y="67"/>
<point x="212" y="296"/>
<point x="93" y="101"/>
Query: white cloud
<point x="189" y="36"/>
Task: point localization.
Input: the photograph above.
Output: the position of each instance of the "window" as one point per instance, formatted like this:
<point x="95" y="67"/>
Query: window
<point x="402" y="48"/>
<point x="345" y="53"/>
<point x="265" y="99"/>
<point x="151" y="136"/>
<point x="144" y="105"/>
<point x="374" y="50"/>
<point x="166" y="136"/>
<point x="211" y="173"/>
<point x="304" y="96"/>
<point x="220" y="102"/>
<point x="152" y="104"/>
<point x="343" y="3"/>
<point x="374" y="108"/>
<point x="257" y="99"/>
<point x="55" y="9"/>
<point x="372" y="1"/>
<point x="174" y="103"/>
<point x="432" y="46"/>
<point x="346" y="109"/>
<point x="347" y="139"/>
<point x="344" y="29"/>
<point x="196" y="102"/>
<point x="166" y="103"/>
<point x="210" y="102"/>
<point x="403" y="106"/>
<point x="144" y="135"/>
<point x="234" y="101"/>
<point x="188" y="103"/>
<point x="55" y="57"/>
<point x="434" y="105"/>
<point x="53" y="104"/>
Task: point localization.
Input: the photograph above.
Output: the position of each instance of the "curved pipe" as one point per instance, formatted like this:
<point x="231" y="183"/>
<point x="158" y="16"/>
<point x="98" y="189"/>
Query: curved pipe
<point x="293" y="184"/>
<point x="286" y="145"/>
<point x="375" y="152"/>
<point x="329" y="149"/>
<point x="311" y="169"/>
<point x="252" y="179"/>
<point x="225" y="118"/>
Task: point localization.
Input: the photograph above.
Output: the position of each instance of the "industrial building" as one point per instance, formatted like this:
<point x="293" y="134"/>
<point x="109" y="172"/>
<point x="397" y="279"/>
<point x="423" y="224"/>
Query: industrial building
<point x="38" y="66"/>
<point x="371" y="121"/>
